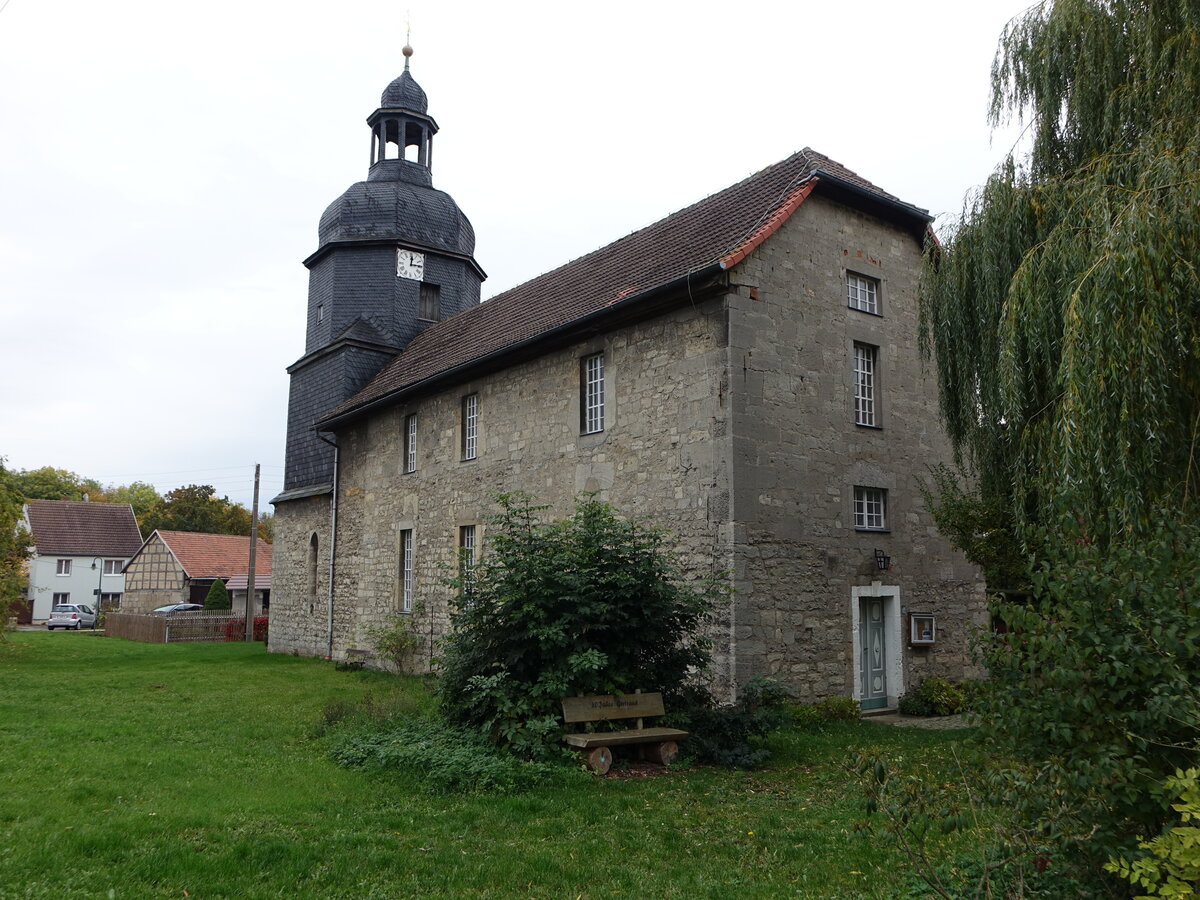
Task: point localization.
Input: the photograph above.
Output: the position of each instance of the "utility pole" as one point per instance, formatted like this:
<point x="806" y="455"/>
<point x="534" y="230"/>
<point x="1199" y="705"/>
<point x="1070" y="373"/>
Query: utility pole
<point x="250" y="584"/>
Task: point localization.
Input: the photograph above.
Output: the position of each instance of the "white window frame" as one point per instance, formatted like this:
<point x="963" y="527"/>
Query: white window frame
<point x="410" y="443"/>
<point x="870" y="508"/>
<point x="862" y="293"/>
<point x="466" y="554"/>
<point x="113" y="566"/>
<point x="407" y="581"/>
<point x="470" y="426"/>
<point x="110" y="600"/>
<point x="866" y="364"/>
<point x="591" y="393"/>
<point x="63" y="567"/>
<point x="61" y="599"/>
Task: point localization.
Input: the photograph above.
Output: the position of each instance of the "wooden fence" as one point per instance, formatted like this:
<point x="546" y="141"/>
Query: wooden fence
<point x="193" y="626"/>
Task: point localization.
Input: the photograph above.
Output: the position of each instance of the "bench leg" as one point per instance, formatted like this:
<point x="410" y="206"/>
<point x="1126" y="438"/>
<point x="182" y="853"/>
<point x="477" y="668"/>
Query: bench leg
<point x="599" y="759"/>
<point x="662" y="753"/>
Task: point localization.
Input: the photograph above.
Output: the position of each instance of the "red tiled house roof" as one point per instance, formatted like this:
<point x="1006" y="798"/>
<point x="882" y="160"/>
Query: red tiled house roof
<point x="216" y="555"/>
<point x="681" y="250"/>
<point x="78" y="528"/>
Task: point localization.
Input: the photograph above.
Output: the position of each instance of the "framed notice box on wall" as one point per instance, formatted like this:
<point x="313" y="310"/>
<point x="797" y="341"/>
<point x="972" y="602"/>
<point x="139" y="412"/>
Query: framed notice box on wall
<point x="922" y="629"/>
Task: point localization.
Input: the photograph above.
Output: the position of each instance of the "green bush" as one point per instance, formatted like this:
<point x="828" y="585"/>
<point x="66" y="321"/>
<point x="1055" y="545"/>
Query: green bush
<point x="592" y="604"/>
<point x="442" y="758"/>
<point x="217" y="596"/>
<point x="396" y="641"/>
<point x="1092" y="690"/>
<point x="727" y="734"/>
<point x="934" y="697"/>
<point x="840" y="709"/>
<point x="1170" y="865"/>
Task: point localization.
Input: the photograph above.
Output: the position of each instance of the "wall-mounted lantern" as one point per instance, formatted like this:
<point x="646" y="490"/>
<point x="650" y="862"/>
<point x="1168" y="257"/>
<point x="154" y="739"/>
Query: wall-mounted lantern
<point x="882" y="561"/>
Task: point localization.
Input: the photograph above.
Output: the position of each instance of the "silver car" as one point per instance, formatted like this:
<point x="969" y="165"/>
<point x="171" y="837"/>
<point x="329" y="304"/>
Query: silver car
<point x="71" y="615"/>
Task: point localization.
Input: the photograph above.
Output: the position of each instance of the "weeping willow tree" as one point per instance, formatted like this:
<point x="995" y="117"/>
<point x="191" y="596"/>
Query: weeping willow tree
<point x="1064" y="313"/>
<point x="1064" y="310"/>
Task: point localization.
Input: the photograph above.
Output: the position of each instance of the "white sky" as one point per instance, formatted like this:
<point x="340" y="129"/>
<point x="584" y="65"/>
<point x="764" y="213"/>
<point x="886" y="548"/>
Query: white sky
<point x="163" y="167"/>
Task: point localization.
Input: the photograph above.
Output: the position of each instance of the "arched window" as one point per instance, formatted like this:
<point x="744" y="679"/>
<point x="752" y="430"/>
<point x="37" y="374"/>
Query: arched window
<point x="312" y="568"/>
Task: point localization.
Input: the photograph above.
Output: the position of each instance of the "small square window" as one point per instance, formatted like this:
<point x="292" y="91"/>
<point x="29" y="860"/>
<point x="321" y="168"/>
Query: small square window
<point x="64" y="567"/>
<point x="862" y="292"/>
<point x="430" y="307"/>
<point x="410" y="443"/>
<point x="870" y="508"/>
<point x="470" y="426"/>
<point x="113" y="566"/>
<point x="591" y="391"/>
<point x="60" y="599"/>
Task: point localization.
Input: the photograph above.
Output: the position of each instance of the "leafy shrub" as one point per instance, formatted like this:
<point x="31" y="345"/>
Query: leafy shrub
<point x="934" y="697"/>
<point x="592" y="604"/>
<point x="726" y="734"/>
<point x="396" y="641"/>
<point x="442" y="758"/>
<point x="236" y="631"/>
<point x="1170" y="866"/>
<point x="840" y="709"/>
<point x="1093" y="688"/>
<point x="217" y="596"/>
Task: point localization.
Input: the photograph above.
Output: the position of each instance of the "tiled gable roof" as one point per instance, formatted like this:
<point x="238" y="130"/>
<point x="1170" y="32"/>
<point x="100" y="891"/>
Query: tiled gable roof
<point x="717" y="231"/>
<point x="216" y="555"/>
<point x="78" y="528"/>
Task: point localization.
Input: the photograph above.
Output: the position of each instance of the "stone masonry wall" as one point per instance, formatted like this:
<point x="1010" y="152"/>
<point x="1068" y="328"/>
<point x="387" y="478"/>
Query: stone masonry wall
<point x="300" y="578"/>
<point x="661" y="455"/>
<point x="797" y="455"/>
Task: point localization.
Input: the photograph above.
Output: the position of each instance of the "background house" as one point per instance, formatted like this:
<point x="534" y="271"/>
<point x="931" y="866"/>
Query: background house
<point x="262" y="592"/>
<point x="79" y="553"/>
<point x="180" y="567"/>
<point x="744" y="373"/>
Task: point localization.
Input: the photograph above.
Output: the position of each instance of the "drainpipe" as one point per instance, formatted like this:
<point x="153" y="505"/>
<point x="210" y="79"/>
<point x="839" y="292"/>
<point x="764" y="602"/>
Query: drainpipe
<point x="333" y="517"/>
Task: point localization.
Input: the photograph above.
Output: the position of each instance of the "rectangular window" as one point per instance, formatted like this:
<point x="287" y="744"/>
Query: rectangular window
<point x="113" y="566"/>
<point x="430" y="307"/>
<point x="64" y="567"/>
<point x="870" y="508"/>
<point x="410" y="443"/>
<point x="406" y="570"/>
<point x="862" y="293"/>
<point x="110" y="601"/>
<point x="866" y="359"/>
<point x="470" y="425"/>
<point x="591" y="391"/>
<point x="62" y="598"/>
<point x="320" y="313"/>
<point x="466" y="554"/>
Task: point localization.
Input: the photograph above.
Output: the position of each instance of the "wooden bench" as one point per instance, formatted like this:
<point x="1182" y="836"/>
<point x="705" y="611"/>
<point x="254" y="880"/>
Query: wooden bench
<point x="657" y="744"/>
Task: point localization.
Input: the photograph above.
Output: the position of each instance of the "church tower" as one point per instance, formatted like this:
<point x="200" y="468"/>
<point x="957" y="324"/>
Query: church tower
<point x="394" y="255"/>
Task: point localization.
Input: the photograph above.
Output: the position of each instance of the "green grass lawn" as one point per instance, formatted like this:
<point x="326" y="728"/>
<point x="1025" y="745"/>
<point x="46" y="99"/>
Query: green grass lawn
<point x="172" y="770"/>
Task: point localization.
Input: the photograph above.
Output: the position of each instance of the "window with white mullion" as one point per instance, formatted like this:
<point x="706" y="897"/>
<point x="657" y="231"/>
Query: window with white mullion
<point x="862" y="293"/>
<point x="870" y="509"/>
<point x="593" y="394"/>
<point x="466" y="555"/>
<point x="410" y="443"/>
<point x="866" y="359"/>
<point x="406" y="570"/>
<point x="470" y="425"/>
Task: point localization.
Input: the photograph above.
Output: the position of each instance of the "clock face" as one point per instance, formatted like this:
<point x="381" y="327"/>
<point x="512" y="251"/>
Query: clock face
<point x="410" y="264"/>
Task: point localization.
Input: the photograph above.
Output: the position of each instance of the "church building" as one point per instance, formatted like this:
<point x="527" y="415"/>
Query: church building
<point x="744" y="373"/>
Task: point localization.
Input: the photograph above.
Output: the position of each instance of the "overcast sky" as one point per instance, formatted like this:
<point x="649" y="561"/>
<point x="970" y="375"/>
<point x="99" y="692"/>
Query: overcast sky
<point x="163" y="167"/>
